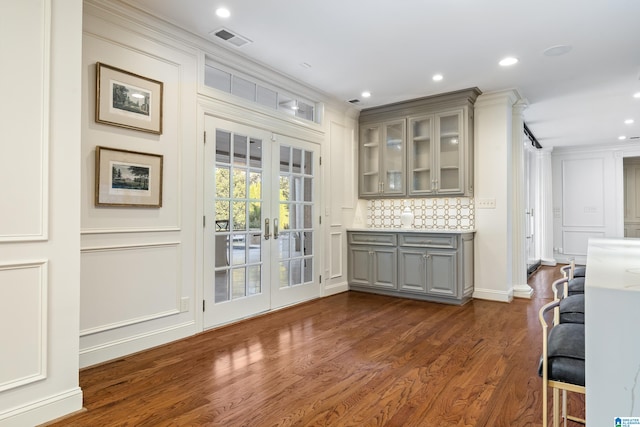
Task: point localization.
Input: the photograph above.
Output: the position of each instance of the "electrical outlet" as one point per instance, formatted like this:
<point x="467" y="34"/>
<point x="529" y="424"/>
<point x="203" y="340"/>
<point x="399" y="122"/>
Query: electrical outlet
<point x="184" y="304"/>
<point x="486" y="203"/>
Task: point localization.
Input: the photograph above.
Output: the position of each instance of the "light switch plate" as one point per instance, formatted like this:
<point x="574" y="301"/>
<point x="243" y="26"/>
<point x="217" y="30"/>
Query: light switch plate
<point x="486" y="203"/>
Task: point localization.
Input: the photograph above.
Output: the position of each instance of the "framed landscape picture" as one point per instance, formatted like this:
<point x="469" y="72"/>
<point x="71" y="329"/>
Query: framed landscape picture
<point x="128" y="100"/>
<point x="128" y="178"/>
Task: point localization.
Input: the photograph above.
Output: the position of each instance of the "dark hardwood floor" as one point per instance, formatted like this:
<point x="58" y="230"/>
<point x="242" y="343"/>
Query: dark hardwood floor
<point x="351" y="359"/>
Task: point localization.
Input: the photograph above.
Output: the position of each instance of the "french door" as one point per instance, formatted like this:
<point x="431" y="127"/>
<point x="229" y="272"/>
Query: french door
<point x="261" y="221"/>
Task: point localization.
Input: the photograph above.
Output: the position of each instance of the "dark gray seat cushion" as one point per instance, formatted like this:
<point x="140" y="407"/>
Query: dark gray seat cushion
<point x="579" y="271"/>
<point x="576" y="286"/>
<point x="566" y="354"/>
<point x="572" y="309"/>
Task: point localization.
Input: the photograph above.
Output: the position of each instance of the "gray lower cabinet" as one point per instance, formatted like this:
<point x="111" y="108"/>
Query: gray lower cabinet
<point x="374" y="260"/>
<point x="434" y="267"/>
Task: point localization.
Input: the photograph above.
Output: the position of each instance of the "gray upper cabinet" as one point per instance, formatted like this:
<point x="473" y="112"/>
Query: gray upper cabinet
<point x="382" y="158"/>
<point x="418" y="148"/>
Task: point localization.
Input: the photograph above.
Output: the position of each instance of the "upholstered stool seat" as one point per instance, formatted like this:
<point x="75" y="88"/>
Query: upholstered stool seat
<point x="565" y="354"/>
<point x="579" y="271"/>
<point x="572" y="309"/>
<point x="575" y="286"/>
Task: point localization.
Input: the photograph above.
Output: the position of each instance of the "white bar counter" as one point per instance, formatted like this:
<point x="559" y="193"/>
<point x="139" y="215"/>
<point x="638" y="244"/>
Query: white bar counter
<point x="612" y="322"/>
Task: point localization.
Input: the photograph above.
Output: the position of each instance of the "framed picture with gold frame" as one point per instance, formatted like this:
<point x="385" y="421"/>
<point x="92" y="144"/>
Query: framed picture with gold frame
<point x="128" y="100"/>
<point x="128" y="178"/>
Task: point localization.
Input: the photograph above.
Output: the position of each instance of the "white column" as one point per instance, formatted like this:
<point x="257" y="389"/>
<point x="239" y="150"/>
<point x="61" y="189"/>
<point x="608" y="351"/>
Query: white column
<point x="544" y="221"/>
<point x="518" y="226"/>
<point x="493" y="257"/>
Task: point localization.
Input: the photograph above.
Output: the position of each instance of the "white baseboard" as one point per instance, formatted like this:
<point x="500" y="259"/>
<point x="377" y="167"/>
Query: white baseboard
<point x="335" y="289"/>
<point x="549" y="262"/>
<point x="44" y="410"/>
<point x="133" y="344"/>
<point x="493" y="295"/>
<point x="522" y="291"/>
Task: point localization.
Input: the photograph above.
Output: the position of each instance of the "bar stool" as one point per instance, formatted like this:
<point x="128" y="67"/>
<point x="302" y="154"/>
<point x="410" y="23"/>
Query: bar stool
<point x="562" y="366"/>
<point x="570" y="297"/>
<point x="572" y="270"/>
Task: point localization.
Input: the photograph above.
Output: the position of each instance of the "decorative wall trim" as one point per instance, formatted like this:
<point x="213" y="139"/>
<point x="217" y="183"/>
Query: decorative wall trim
<point x="105" y="248"/>
<point x="39" y="370"/>
<point x="134" y="343"/>
<point x="138" y="319"/>
<point x="454" y="213"/>
<point x="335" y="266"/>
<point x="89" y="231"/>
<point x="127" y="322"/>
<point x="41" y="104"/>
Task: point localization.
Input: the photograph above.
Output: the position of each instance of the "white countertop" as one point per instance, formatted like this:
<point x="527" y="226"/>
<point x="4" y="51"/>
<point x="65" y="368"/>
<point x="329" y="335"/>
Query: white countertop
<point x="614" y="264"/>
<point x="411" y="230"/>
<point x="612" y="332"/>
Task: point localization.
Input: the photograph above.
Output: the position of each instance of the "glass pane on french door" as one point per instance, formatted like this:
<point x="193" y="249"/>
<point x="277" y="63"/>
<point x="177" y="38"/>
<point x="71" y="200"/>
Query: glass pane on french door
<point x="236" y="252"/>
<point x="296" y="279"/>
<point x="238" y="183"/>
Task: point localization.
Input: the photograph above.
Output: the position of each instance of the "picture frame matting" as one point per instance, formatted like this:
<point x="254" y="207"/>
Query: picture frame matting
<point x="127" y="178"/>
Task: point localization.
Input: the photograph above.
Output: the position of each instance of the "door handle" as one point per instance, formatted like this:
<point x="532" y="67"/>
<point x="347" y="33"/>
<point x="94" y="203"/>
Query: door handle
<point x="275" y="228"/>
<point x="266" y="229"/>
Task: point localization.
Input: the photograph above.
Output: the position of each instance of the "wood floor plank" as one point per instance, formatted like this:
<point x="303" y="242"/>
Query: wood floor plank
<point x="352" y="359"/>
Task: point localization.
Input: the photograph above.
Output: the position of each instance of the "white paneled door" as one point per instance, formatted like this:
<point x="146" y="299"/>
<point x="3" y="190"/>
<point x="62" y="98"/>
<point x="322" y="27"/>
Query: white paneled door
<point x="261" y="222"/>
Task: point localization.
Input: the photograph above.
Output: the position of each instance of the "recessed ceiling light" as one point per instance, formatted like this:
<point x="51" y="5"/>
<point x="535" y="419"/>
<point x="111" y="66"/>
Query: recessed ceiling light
<point x="622" y="137"/>
<point x="223" y="12"/>
<point x="558" y="50"/>
<point x="437" y="77"/>
<point x="628" y="121"/>
<point x="510" y="60"/>
<point x="636" y="95"/>
<point x="366" y="94"/>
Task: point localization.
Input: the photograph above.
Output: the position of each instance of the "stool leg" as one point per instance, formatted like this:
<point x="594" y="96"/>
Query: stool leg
<point x="564" y="407"/>
<point x="556" y="407"/>
<point x="545" y="404"/>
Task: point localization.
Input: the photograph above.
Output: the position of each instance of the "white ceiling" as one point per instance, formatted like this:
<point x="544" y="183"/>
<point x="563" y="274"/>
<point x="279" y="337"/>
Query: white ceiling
<point x="392" y="49"/>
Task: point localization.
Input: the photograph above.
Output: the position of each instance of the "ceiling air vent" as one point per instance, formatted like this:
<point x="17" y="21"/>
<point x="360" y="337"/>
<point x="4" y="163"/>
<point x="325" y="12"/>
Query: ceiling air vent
<point x="354" y="101"/>
<point x="230" y="37"/>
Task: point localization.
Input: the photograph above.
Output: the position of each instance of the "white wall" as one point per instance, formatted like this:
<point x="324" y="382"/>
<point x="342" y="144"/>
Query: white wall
<point x="341" y="197"/>
<point x="138" y="264"/>
<point x="584" y="200"/>
<point x="39" y="219"/>
<point x="588" y="196"/>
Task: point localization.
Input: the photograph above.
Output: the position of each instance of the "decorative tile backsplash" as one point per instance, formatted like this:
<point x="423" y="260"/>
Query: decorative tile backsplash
<point x="434" y="214"/>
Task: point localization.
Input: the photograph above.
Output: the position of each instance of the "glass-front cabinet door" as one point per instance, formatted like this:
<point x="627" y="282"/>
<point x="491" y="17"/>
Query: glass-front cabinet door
<point x="382" y="159"/>
<point x="393" y="158"/>
<point x="420" y="156"/>
<point x="449" y="178"/>
<point x="370" y="136"/>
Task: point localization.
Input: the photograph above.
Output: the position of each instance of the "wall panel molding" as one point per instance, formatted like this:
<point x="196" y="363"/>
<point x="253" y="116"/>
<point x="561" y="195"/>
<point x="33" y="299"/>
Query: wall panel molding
<point x="148" y="273"/>
<point x="25" y="154"/>
<point x="335" y="267"/>
<point x="25" y="285"/>
<point x="121" y="230"/>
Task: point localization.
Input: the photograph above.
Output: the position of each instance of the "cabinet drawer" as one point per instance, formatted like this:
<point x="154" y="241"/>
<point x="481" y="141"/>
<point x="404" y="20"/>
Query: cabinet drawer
<point x="386" y="239"/>
<point x="429" y="240"/>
